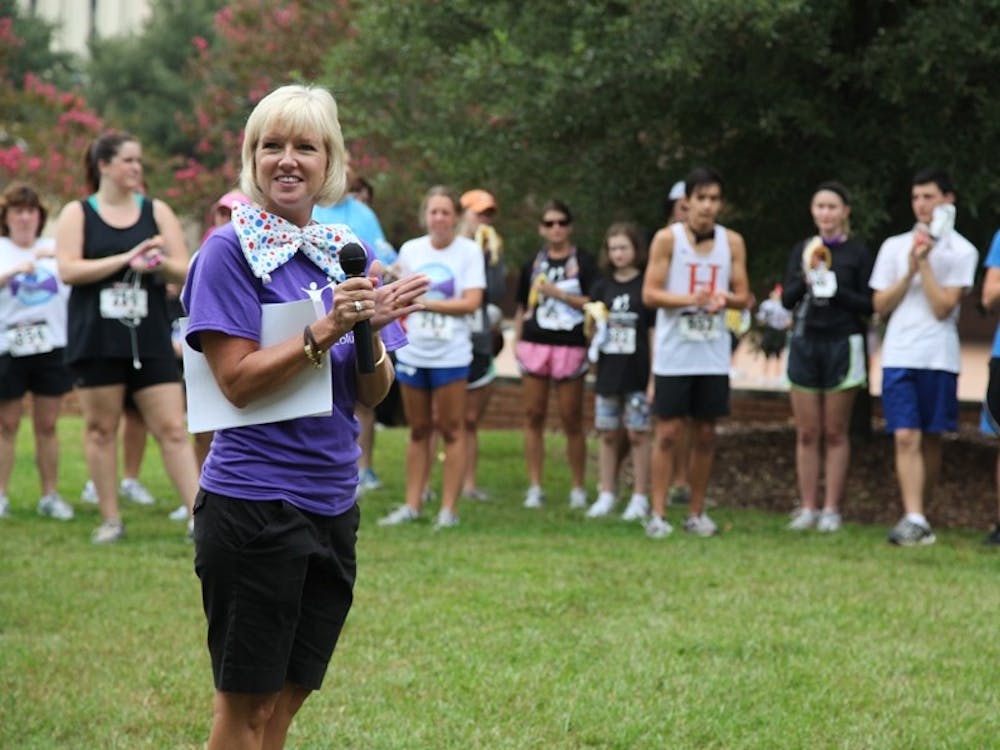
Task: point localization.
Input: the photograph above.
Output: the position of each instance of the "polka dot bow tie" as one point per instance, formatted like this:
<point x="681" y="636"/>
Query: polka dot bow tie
<point x="268" y="242"/>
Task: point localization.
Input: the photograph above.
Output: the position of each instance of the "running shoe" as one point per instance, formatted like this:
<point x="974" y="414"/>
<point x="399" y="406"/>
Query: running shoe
<point x="445" y="520"/>
<point x="368" y="480"/>
<point x="108" y="532"/>
<point x="534" y="497"/>
<point x="4" y="506"/>
<point x="134" y="491"/>
<point x="701" y="525"/>
<point x="992" y="539"/>
<point x="178" y="514"/>
<point x="604" y="504"/>
<point x="578" y="498"/>
<point x="637" y="508"/>
<point x="475" y="493"/>
<point x="402" y="514"/>
<point x="803" y="518"/>
<point x="89" y="493"/>
<point x="658" y="528"/>
<point x="53" y="506"/>
<point x="829" y="522"/>
<point x="906" y="533"/>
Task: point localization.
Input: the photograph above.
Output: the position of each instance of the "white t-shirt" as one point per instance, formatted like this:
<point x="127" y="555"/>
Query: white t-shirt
<point x="437" y="340"/>
<point x="914" y="337"/>
<point x="689" y="340"/>
<point x="34" y="301"/>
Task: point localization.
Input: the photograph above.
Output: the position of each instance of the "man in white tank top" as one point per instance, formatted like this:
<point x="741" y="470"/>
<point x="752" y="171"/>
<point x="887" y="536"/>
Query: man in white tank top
<point x="697" y="269"/>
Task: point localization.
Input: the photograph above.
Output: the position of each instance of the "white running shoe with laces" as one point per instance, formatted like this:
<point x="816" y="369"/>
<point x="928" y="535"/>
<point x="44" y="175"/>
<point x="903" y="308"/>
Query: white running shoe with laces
<point x="53" y="506"/>
<point x="89" y="493"/>
<point x="658" y="528"/>
<point x="578" y="498"/>
<point x="108" y="532"/>
<point x="402" y="514"/>
<point x="637" y="508"/>
<point x="134" y="491"/>
<point x="603" y="505"/>
<point x="829" y="522"/>
<point x="534" y="497"/>
<point x="178" y="514"/>
<point x="701" y="525"/>
<point x="445" y="520"/>
<point x="803" y="518"/>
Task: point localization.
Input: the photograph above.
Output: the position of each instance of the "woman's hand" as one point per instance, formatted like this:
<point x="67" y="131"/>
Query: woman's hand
<point x="397" y="299"/>
<point x="146" y="256"/>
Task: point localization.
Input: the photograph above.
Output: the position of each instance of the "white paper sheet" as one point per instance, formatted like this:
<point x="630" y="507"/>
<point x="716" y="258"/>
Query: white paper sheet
<point x="308" y="394"/>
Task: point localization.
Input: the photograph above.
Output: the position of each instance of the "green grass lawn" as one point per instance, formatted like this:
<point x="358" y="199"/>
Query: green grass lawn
<point x="518" y="629"/>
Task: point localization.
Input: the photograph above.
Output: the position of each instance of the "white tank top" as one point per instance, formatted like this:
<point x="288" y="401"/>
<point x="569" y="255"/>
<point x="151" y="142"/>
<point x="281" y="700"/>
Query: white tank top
<point x="688" y="340"/>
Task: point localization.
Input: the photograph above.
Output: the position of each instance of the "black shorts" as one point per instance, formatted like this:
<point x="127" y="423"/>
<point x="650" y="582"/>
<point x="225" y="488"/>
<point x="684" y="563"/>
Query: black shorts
<point x="41" y="374"/>
<point x="276" y="584"/>
<point x="481" y="371"/>
<point x="772" y="341"/>
<point x="695" y="396"/>
<point x="823" y="365"/>
<point x="93" y="373"/>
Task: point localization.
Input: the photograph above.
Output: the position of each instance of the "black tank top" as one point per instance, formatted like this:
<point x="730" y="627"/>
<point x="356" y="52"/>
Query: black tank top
<point x="89" y="335"/>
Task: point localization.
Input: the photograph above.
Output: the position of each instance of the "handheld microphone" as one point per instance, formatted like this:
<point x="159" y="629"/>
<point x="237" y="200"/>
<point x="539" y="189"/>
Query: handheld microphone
<point x="353" y="260"/>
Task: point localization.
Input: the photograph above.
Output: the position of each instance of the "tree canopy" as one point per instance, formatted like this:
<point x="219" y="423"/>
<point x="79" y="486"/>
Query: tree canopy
<point x="603" y="104"/>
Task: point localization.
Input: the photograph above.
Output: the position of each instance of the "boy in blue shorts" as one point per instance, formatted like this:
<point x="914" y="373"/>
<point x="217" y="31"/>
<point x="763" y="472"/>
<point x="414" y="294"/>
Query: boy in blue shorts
<point x="918" y="280"/>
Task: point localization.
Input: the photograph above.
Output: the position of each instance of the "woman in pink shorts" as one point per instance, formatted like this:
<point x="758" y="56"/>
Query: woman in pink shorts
<point x="551" y="347"/>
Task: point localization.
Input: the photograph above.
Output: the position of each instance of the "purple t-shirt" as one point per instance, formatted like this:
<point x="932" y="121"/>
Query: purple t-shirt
<point x="312" y="461"/>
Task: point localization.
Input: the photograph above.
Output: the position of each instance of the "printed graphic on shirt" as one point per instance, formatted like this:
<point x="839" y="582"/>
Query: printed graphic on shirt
<point x="36" y="288"/>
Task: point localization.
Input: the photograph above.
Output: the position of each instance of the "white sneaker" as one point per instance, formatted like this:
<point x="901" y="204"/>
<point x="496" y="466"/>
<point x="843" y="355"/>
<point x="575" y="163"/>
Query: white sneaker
<point x="637" y="508"/>
<point x="445" y="519"/>
<point x="402" y="514"/>
<point x="477" y="494"/>
<point x="108" y="532"/>
<point x="578" y="498"/>
<point x="178" y="514"/>
<point x="701" y="525"/>
<point x="189" y="533"/>
<point x="89" y="493"/>
<point x="829" y="522"/>
<point x="134" y="491"/>
<point x="658" y="528"/>
<point x="604" y="504"/>
<point x="534" y="497"/>
<point x="803" y="518"/>
<point x="54" y="506"/>
<point x="4" y="506"/>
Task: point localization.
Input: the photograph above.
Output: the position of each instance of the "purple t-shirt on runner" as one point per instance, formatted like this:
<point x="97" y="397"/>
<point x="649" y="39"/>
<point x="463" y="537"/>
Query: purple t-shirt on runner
<point x="311" y="462"/>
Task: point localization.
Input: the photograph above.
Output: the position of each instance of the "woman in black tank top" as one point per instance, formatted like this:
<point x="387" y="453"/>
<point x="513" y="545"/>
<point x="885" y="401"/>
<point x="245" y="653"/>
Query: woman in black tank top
<point x="117" y="250"/>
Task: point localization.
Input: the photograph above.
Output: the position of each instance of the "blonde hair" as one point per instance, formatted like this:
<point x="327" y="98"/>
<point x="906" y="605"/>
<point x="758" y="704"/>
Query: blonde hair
<point x="442" y="190"/>
<point x="300" y="109"/>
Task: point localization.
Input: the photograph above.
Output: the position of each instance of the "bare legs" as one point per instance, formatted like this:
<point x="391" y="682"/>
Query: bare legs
<point x="569" y="396"/>
<point x="476" y="401"/>
<point x="822" y="417"/>
<point x="245" y="721"/>
<point x="447" y="403"/>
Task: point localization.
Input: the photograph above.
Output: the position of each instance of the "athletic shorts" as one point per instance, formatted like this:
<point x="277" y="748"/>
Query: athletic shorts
<point x="429" y="378"/>
<point x="772" y="341"/>
<point x="93" y="373"/>
<point x="276" y="585"/>
<point x="925" y="400"/>
<point x="697" y="396"/>
<point x="41" y="374"/>
<point x="551" y="360"/>
<point x="826" y="365"/>
<point x="610" y="410"/>
<point x="482" y="371"/>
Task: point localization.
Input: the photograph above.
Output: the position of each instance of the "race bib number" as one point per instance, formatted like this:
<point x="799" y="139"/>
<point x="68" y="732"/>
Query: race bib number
<point x="124" y="302"/>
<point x="701" y="326"/>
<point x="621" y="338"/>
<point x="28" y="339"/>
<point x="432" y="326"/>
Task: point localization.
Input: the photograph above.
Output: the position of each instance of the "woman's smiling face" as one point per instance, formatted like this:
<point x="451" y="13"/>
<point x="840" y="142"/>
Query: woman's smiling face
<point x="290" y="171"/>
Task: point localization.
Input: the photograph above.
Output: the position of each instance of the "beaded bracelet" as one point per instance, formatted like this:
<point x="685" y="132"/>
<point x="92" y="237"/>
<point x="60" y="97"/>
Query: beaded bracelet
<point x="313" y="352"/>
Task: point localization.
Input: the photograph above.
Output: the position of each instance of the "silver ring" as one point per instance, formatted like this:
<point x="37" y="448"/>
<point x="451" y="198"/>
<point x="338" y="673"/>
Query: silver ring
<point x="357" y="306"/>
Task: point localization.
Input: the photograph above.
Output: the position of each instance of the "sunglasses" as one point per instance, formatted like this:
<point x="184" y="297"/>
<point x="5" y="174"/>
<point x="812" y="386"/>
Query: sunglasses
<point x="556" y="222"/>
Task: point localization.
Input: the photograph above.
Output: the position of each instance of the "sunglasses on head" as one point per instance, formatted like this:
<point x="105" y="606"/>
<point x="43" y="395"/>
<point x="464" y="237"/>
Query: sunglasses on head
<point x="555" y="222"/>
